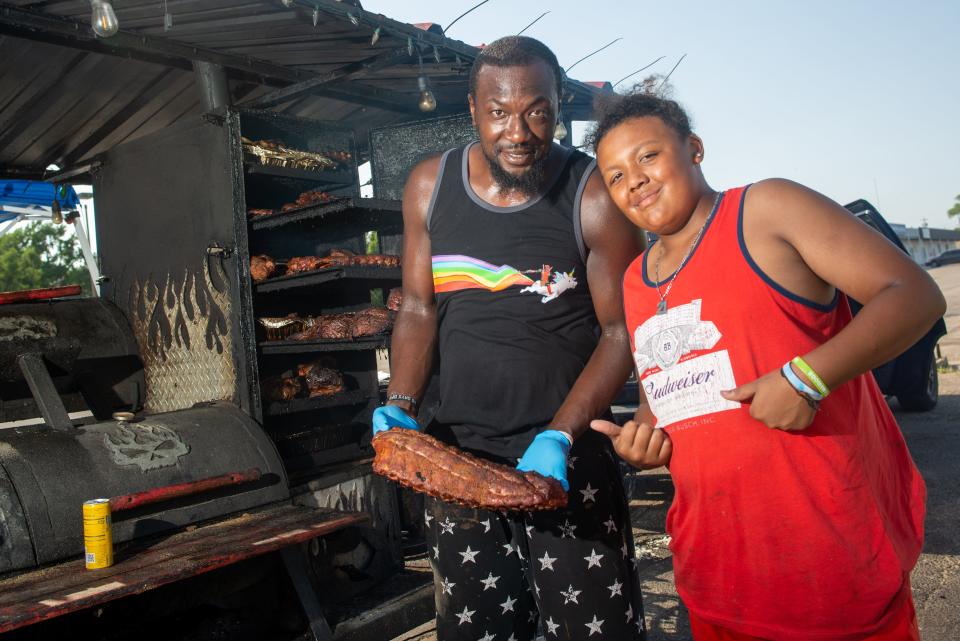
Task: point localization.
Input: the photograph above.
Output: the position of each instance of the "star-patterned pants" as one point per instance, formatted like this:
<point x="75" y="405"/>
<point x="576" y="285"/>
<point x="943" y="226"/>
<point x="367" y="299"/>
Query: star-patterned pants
<point x="499" y="576"/>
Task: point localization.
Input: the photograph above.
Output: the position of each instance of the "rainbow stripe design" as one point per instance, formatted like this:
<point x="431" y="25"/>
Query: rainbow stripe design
<point x="455" y="272"/>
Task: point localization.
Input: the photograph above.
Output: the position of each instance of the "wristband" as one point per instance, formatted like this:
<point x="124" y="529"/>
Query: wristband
<point x="402" y="397"/>
<point x="812" y="376"/>
<point x="804" y="391"/>
<point x="566" y="435"/>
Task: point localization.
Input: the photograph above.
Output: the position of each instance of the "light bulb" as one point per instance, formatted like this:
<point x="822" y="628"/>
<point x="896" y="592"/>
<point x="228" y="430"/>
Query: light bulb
<point x="103" y="20"/>
<point x="56" y="215"/>
<point x="560" y="133"/>
<point x="428" y="101"/>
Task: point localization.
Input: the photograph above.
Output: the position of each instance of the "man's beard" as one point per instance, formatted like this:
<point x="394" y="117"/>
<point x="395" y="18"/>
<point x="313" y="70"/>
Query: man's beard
<point x="527" y="183"/>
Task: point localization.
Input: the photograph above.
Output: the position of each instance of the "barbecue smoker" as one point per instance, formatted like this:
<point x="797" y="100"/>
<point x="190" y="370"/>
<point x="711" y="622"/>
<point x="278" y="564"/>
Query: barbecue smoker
<point x="172" y="361"/>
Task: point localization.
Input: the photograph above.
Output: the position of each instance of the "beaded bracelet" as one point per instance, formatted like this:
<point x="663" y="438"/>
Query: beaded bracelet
<point x="812" y="376"/>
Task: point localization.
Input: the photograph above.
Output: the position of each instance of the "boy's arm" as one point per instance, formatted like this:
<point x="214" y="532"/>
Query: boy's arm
<point x="808" y="241"/>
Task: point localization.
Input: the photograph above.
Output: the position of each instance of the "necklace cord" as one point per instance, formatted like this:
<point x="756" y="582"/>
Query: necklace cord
<point x="663" y="294"/>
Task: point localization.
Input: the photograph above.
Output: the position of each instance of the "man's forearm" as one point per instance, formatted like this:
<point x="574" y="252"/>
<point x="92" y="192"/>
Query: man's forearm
<point x="411" y="353"/>
<point x="597" y="386"/>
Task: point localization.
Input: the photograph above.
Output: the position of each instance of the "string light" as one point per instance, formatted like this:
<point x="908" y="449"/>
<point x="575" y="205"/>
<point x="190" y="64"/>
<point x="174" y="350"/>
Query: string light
<point x="103" y="19"/>
<point x="376" y="36"/>
<point x="560" y="133"/>
<point x="428" y="102"/>
<point x="316" y="16"/>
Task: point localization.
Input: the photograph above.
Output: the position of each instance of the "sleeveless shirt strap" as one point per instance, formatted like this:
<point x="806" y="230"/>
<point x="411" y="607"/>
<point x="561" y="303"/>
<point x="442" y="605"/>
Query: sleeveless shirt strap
<point x="578" y="199"/>
<point x="436" y="186"/>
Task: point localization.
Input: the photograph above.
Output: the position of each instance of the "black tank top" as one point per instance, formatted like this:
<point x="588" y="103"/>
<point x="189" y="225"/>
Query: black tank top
<point x="516" y="320"/>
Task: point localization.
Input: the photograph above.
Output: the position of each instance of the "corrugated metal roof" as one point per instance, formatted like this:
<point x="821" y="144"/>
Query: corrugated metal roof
<point x="66" y="96"/>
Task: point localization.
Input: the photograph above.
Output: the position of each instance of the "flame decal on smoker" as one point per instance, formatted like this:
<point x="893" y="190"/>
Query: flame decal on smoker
<point x="182" y="330"/>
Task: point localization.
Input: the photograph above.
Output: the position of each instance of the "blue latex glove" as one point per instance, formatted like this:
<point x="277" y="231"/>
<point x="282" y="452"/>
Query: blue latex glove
<point x="547" y="455"/>
<point x="392" y="416"/>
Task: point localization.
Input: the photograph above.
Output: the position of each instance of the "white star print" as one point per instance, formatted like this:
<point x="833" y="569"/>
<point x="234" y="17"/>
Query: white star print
<point x="594" y="626"/>
<point x="465" y="616"/>
<point x="570" y="595"/>
<point x="436" y="552"/>
<point x="571" y="461"/>
<point x="611" y="525"/>
<point x="533" y="616"/>
<point x="629" y="613"/>
<point x="468" y="555"/>
<point x="546" y="561"/>
<point x="487" y="637"/>
<point x="426" y="518"/>
<point x="593" y="559"/>
<point x="512" y="638"/>
<point x="510" y="548"/>
<point x="489" y="582"/>
<point x="567" y="529"/>
<point x="507" y="605"/>
<point x="640" y="625"/>
<point x="589" y="493"/>
<point x="551" y="626"/>
<point x="623" y="550"/>
<point x="615" y="589"/>
<point x="446" y="586"/>
<point x="536" y="588"/>
<point x="529" y="529"/>
<point x="486" y="525"/>
<point x="447" y="526"/>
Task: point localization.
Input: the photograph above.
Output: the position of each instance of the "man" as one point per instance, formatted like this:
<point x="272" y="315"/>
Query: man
<point x="524" y="364"/>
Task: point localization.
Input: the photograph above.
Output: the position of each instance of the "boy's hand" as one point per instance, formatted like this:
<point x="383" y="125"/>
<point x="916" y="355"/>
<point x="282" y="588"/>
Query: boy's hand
<point x="637" y="443"/>
<point x="773" y="402"/>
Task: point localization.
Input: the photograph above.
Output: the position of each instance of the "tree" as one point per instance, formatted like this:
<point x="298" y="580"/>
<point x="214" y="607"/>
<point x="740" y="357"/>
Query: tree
<point x="41" y="254"/>
<point x="954" y="212"/>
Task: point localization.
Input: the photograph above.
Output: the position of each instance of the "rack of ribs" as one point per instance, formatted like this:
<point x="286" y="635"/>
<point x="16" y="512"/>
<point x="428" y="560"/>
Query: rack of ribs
<point x="424" y="464"/>
<point x="262" y="267"/>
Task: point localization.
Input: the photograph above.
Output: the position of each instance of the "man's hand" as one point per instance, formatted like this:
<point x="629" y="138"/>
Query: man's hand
<point x="392" y="416"/>
<point x="774" y="402"/>
<point x="636" y="443"/>
<point x="547" y="455"/>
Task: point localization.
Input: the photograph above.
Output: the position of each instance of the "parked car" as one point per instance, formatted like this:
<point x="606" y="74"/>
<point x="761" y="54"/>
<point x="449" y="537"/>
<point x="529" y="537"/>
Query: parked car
<point x="947" y="257"/>
<point x="912" y="376"/>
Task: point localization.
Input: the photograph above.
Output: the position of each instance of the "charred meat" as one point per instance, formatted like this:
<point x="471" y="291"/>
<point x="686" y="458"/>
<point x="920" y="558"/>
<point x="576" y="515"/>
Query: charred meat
<point x="424" y="464"/>
<point x="262" y="267"/>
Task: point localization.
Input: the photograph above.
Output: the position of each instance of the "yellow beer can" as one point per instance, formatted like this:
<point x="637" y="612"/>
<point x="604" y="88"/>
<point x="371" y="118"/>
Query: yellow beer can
<point x="97" y="534"/>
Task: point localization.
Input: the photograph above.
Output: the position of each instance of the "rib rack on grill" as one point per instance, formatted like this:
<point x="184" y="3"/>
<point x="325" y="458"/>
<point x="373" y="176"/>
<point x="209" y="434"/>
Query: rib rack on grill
<point x="424" y="464"/>
<point x="262" y="267"/>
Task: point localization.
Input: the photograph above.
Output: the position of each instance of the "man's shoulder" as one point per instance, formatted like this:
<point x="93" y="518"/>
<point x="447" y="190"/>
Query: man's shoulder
<point x="426" y="172"/>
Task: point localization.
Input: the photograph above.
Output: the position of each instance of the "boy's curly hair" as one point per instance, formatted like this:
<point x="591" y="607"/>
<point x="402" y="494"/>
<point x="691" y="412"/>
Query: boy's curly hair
<point x="613" y="110"/>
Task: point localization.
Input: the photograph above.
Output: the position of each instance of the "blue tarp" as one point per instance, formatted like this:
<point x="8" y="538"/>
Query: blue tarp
<point x="31" y="193"/>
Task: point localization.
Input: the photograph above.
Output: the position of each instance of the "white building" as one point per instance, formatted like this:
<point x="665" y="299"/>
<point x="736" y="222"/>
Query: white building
<point x="924" y="243"/>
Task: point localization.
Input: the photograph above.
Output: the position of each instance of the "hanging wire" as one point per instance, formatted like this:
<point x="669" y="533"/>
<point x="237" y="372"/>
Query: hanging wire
<point x="667" y="77"/>
<point x="479" y="4"/>
<point x="632" y="74"/>
<point x="533" y="23"/>
<point x="567" y="70"/>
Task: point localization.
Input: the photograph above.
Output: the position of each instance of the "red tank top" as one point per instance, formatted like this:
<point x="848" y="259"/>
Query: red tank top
<point x="782" y="535"/>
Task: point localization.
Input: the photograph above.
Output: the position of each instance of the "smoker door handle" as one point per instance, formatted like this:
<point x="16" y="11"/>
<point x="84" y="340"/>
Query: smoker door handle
<point x="44" y="392"/>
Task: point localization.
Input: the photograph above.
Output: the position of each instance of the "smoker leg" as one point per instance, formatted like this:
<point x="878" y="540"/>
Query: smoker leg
<point x="296" y="563"/>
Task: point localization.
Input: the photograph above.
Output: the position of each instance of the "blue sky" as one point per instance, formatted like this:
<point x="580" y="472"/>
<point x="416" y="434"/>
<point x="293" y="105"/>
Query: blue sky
<point x="854" y="99"/>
